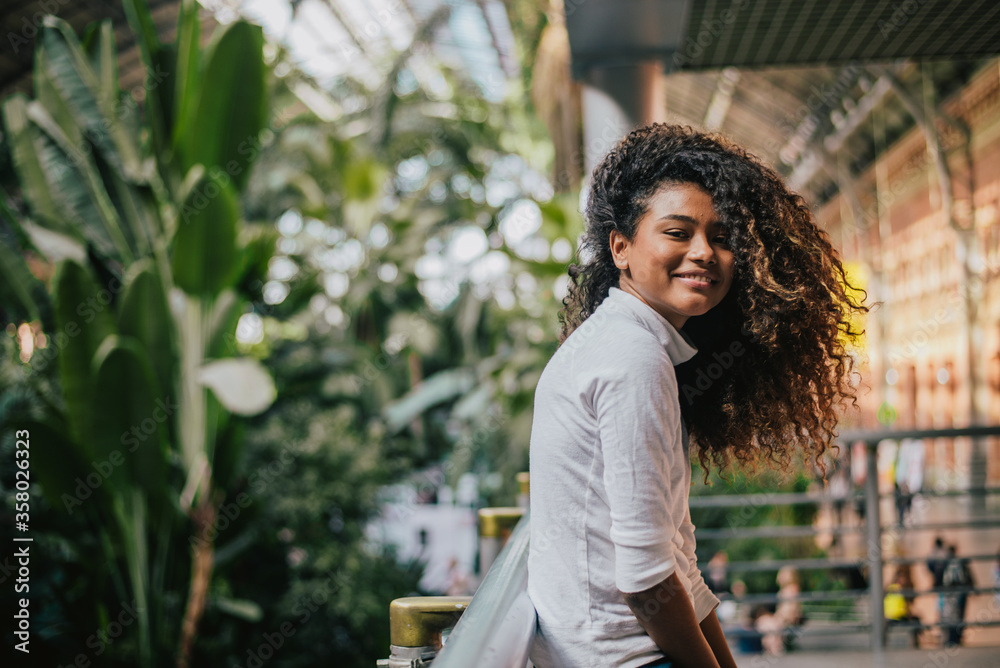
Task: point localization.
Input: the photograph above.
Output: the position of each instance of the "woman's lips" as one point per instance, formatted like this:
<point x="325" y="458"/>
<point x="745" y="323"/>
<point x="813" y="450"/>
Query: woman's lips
<point x="696" y="282"/>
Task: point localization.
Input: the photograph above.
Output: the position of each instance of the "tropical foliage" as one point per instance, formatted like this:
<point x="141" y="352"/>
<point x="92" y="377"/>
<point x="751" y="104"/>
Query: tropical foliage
<point x="175" y="527"/>
<point x="130" y="405"/>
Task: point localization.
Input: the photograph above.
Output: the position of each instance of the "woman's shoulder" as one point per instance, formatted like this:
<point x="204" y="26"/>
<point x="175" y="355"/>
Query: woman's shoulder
<point x="611" y="329"/>
<point x="614" y="347"/>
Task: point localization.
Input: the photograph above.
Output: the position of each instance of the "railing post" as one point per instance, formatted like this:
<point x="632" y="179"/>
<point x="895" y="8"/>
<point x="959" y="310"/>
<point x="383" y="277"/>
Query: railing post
<point x="523" y="489"/>
<point x="496" y="631"/>
<point x="875" y="585"/>
<point x="415" y="626"/>
<point x="495" y="525"/>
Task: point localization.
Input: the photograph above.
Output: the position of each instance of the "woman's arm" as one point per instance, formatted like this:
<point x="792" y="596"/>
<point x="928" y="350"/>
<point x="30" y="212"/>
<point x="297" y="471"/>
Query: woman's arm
<point x="712" y="630"/>
<point x="666" y="613"/>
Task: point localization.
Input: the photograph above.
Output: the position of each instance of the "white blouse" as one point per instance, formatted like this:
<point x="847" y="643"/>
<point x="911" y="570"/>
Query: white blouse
<point x="610" y="475"/>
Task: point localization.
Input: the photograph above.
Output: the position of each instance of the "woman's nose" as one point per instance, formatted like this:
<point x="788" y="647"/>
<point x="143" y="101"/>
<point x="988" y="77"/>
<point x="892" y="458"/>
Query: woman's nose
<point x="701" y="249"/>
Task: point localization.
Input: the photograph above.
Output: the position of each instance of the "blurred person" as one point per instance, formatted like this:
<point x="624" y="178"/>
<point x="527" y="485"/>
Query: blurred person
<point x="751" y="639"/>
<point x="840" y="489"/>
<point x="956" y="576"/>
<point x="859" y="476"/>
<point x="789" y="608"/>
<point x="772" y="629"/>
<point x="707" y="304"/>
<point x="904" y="501"/>
<point x="898" y="605"/>
<point x="936" y="561"/>
<point x="717" y="575"/>
<point x="729" y="609"/>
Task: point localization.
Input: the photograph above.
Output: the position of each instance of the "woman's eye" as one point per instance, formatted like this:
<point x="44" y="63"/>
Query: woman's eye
<point x="677" y="234"/>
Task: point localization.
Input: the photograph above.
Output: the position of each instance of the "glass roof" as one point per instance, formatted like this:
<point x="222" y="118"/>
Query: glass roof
<point x="337" y="40"/>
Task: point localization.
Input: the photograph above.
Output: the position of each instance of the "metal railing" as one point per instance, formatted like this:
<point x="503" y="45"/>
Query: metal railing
<point x="495" y="630"/>
<point x="874" y="560"/>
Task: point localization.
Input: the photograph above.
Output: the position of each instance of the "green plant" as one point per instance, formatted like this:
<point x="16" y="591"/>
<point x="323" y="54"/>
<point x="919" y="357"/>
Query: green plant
<point x="150" y="250"/>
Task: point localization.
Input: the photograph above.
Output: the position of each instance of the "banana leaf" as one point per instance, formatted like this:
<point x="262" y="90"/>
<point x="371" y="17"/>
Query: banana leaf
<point x="204" y="254"/>
<point x="84" y="320"/>
<point x="144" y="315"/>
<point x="99" y="44"/>
<point x="129" y="417"/>
<point x="60" y="182"/>
<point x="140" y="19"/>
<point x="187" y="73"/>
<point x="230" y="111"/>
<point x="68" y="68"/>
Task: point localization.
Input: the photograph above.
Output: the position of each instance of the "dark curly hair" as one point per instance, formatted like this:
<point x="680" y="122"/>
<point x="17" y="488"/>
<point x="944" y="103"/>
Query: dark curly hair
<point x="771" y="369"/>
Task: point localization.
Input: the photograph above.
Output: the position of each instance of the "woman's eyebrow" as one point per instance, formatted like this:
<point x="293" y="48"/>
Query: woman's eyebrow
<point x="680" y="217"/>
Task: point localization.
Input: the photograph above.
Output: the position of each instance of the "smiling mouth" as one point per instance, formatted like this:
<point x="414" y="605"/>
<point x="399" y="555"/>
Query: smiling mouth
<point x="698" y="279"/>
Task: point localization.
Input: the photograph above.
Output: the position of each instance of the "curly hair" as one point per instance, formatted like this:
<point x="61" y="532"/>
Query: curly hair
<point x="771" y="368"/>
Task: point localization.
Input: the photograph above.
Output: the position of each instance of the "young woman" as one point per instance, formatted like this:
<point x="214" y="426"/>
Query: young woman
<point x="709" y="304"/>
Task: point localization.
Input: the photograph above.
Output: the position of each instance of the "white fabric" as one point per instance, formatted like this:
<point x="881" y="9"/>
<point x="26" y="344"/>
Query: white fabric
<point x="610" y="476"/>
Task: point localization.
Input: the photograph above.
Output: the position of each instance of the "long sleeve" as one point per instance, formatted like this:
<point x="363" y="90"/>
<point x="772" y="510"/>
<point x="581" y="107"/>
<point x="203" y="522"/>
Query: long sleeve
<point x="639" y="422"/>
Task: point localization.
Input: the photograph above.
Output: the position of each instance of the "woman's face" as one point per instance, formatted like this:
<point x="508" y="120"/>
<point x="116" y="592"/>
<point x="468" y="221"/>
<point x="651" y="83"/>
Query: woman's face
<point x="679" y="262"/>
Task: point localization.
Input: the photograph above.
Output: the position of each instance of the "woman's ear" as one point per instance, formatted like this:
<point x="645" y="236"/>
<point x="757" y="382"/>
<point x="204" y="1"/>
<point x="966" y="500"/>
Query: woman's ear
<point x="619" y="249"/>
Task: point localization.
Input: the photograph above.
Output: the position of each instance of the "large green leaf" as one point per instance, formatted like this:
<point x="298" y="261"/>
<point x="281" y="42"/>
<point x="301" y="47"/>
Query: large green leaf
<point x="95" y="208"/>
<point x="231" y="106"/>
<point x="59" y="182"/>
<point x="95" y="109"/>
<point x="187" y="79"/>
<point x="136" y="207"/>
<point x="130" y="419"/>
<point x="83" y="320"/>
<point x="25" y="145"/>
<point x="50" y="98"/>
<point x="99" y="44"/>
<point x="141" y="21"/>
<point x="204" y="254"/>
<point x="145" y="315"/>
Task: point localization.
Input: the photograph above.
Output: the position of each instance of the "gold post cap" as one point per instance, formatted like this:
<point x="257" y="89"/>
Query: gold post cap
<point x="522" y="481"/>
<point x="493" y="521"/>
<point x="417" y="621"/>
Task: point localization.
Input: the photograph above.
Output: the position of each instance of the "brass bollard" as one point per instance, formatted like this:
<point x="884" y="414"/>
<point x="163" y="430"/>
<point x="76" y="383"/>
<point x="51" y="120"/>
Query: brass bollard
<point x="523" y="488"/>
<point x="495" y="525"/>
<point x="415" y="626"/>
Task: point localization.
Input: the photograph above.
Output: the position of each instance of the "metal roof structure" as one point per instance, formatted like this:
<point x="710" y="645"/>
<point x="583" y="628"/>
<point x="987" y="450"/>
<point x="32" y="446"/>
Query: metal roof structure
<point x="792" y="80"/>
<point x="690" y="35"/>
